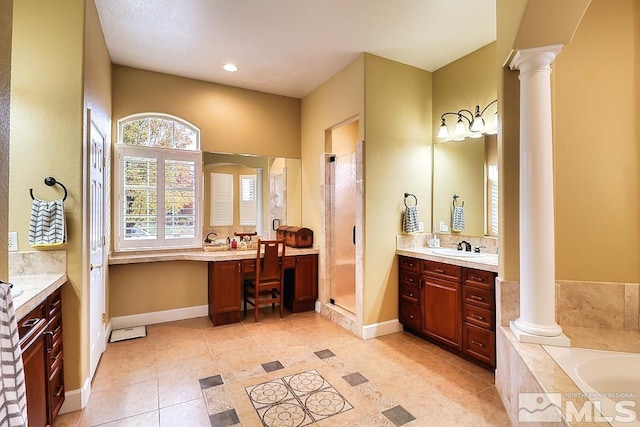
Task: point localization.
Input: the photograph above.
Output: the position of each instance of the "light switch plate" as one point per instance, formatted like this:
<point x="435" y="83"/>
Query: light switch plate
<point x="13" y="241"/>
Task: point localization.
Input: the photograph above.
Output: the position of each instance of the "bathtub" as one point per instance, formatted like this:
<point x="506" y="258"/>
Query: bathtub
<point x="609" y="379"/>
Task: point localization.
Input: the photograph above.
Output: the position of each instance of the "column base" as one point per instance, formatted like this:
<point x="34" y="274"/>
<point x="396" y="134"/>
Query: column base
<point x="559" y="340"/>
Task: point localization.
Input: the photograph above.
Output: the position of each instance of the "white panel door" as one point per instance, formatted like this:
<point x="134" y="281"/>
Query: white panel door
<point x="97" y="331"/>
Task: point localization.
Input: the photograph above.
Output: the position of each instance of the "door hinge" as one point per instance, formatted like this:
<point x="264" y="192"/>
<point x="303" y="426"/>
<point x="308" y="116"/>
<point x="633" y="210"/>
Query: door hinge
<point x="104" y="240"/>
<point x="104" y="162"/>
<point x="104" y="318"/>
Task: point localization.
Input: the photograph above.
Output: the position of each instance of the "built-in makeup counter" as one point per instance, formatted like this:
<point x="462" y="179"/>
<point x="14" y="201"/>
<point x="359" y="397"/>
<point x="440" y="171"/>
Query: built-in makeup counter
<point x="196" y="255"/>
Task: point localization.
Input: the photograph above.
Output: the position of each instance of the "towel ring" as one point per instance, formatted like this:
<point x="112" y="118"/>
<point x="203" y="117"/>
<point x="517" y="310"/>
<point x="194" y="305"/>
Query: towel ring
<point x="51" y="181"/>
<point x="406" y="195"/>
<point x="455" y="199"/>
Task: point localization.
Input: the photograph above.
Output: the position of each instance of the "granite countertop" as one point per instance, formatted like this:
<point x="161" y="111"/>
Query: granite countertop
<point x="487" y="262"/>
<point x="36" y="287"/>
<point x="196" y="255"/>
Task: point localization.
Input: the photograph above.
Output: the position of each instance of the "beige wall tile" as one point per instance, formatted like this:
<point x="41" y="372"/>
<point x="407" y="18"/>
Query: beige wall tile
<point x="591" y="304"/>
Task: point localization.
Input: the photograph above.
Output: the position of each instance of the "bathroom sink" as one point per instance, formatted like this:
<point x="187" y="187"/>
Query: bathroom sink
<point x="456" y="253"/>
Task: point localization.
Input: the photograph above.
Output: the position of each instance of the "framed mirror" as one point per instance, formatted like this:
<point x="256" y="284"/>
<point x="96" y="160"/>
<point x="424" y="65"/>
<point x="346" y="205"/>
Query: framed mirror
<point x="467" y="169"/>
<point x="247" y="193"/>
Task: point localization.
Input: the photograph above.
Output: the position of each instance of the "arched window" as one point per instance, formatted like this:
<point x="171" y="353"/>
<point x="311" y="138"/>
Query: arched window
<point x="157" y="183"/>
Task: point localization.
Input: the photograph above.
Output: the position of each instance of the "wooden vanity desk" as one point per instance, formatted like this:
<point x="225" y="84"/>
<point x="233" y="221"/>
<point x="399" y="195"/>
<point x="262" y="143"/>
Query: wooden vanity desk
<point x="225" y="284"/>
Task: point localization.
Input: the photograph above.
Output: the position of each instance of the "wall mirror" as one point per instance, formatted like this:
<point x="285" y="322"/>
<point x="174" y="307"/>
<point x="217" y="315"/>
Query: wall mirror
<point x="469" y="170"/>
<point x="246" y="193"/>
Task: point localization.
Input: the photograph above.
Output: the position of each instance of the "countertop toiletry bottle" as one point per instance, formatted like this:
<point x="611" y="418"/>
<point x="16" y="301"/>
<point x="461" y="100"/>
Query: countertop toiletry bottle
<point x="234" y="244"/>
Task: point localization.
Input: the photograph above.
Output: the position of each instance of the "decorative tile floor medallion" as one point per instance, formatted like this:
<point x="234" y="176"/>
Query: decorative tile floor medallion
<point x="296" y="400"/>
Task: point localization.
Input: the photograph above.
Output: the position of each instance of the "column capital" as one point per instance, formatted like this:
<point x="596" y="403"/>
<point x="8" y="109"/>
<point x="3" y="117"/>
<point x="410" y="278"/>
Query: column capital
<point x="537" y="57"/>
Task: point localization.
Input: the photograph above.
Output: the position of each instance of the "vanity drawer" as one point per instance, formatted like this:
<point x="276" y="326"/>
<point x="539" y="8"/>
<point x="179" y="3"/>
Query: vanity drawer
<point x="410" y="315"/>
<point x="31" y="324"/>
<point x="411" y="265"/>
<point x="410" y="279"/>
<point x="478" y="316"/>
<point x="289" y="262"/>
<point x="248" y="265"/>
<point x="479" y="297"/>
<point x="479" y="278"/>
<point x="442" y="271"/>
<point x="479" y="343"/>
<point x="410" y="293"/>
<point x="55" y="303"/>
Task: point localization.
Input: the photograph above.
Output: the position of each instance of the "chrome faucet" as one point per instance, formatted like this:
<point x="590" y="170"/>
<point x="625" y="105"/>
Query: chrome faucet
<point x="467" y="246"/>
<point x="207" y="239"/>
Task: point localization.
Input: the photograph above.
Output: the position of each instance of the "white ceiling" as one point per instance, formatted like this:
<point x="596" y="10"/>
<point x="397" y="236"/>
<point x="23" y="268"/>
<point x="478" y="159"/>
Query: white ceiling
<point x="289" y="47"/>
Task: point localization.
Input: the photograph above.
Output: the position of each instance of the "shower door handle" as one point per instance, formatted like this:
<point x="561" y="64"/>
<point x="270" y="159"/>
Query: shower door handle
<point x="353" y="237"/>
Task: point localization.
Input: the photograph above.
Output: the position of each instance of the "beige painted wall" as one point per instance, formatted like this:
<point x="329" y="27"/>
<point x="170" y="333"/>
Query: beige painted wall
<point x="469" y="81"/>
<point x="397" y="160"/>
<point x="46" y="139"/>
<point x="230" y="119"/>
<point x="6" y="13"/>
<point x="597" y="161"/>
<point x="338" y="99"/>
<point x="149" y="287"/>
<point x="344" y="138"/>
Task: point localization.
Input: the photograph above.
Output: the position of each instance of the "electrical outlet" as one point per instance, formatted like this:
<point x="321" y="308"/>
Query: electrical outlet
<point x="13" y="241"/>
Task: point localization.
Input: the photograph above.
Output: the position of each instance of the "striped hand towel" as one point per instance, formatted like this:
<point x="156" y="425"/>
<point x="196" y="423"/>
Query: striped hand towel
<point x="410" y="220"/>
<point x="47" y="225"/>
<point x="457" y="219"/>
<point x="13" y="398"/>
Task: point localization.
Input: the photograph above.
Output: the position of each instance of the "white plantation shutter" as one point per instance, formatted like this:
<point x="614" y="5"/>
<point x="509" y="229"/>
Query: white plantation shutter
<point x="157" y="183"/>
<point x="221" y="199"/>
<point x="248" y="200"/>
<point x="492" y="209"/>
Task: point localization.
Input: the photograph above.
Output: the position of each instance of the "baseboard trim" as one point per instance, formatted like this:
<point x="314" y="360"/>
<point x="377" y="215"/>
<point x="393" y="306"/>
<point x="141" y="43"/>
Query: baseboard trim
<point x="159" y="316"/>
<point x="74" y="400"/>
<point x="383" y="328"/>
<point x="318" y="306"/>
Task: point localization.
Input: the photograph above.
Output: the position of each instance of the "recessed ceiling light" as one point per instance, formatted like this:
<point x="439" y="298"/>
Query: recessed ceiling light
<point x="230" y="68"/>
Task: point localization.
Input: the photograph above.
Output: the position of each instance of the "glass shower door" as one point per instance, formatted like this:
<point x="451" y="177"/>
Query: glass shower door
<point x="343" y="221"/>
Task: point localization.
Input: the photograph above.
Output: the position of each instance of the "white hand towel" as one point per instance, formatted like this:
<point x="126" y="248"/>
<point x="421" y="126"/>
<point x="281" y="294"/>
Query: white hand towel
<point x="410" y="220"/>
<point x="13" y="398"/>
<point x="457" y="221"/>
<point x="47" y="224"/>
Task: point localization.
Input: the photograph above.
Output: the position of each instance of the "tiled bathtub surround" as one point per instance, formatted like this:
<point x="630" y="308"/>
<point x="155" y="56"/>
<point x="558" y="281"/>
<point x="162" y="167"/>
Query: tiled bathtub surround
<point x="602" y="316"/>
<point x="37" y="262"/>
<point x="585" y="304"/>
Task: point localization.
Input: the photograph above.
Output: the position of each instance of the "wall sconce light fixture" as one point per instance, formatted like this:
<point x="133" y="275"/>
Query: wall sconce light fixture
<point x="474" y="127"/>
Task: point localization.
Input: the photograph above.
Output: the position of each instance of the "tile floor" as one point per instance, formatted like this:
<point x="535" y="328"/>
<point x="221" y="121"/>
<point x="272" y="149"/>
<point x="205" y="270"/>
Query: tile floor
<point x="188" y="373"/>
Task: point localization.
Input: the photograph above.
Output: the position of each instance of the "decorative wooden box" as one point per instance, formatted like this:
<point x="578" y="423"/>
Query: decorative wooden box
<point x="282" y="232"/>
<point x="298" y="237"/>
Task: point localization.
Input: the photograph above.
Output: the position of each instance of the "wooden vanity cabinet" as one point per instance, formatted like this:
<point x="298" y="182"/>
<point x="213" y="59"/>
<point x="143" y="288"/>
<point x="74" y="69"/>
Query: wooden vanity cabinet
<point x="479" y="318"/>
<point x="410" y="294"/>
<point x="225" y="290"/>
<point x="301" y="283"/>
<point x="225" y="286"/>
<point x="40" y="334"/>
<point x="451" y="305"/>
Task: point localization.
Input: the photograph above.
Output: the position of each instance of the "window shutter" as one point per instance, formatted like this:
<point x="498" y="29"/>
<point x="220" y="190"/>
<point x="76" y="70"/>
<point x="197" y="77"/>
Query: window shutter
<point x="221" y="199"/>
<point x="248" y="202"/>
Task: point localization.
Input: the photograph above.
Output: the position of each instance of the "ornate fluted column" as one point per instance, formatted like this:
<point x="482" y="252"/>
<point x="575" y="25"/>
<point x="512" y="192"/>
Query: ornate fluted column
<point x="537" y="230"/>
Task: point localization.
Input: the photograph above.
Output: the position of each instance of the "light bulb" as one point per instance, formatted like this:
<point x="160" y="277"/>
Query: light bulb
<point x="443" y="132"/>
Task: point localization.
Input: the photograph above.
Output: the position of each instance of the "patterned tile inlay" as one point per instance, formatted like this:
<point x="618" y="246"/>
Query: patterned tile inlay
<point x="296" y="400"/>
<point x="300" y="399"/>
